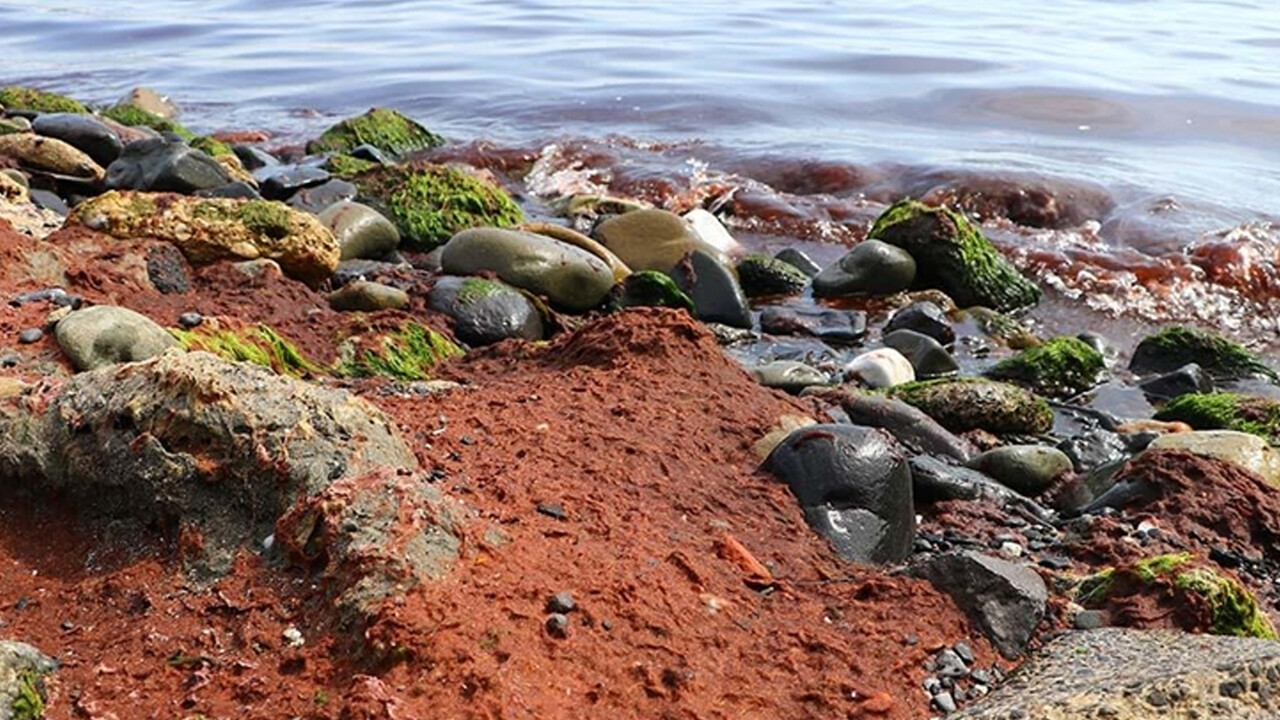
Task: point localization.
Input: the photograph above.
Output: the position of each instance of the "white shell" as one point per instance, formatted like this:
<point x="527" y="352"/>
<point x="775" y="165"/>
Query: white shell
<point x="881" y="368"/>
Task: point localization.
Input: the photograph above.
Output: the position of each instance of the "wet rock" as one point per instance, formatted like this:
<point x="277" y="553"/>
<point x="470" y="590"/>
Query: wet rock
<point x="929" y="358"/>
<point x="711" y="232"/>
<point x="789" y="375"/>
<point x="362" y="232"/>
<point x="168" y="270"/>
<point x="315" y="199"/>
<point x="965" y="404"/>
<point x="252" y="158"/>
<point x="387" y="130"/>
<point x="83" y="132"/>
<point x="1189" y="378"/>
<point x="1175" y="347"/>
<point x="1002" y="328"/>
<point x="854" y="486"/>
<point x="839" y="327"/>
<point x="1027" y="469"/>
<point x="30" y="335"/>
<point x="905" y="423"/>
<point x="1242" y="449"/>
<point x="870" y="268"/>
<point x="22" y="672"/>
<point x="799" y="260"/>
<point x="148" y="100"/>
<point x="211" y="230"/>
<point x="234" y="190"/>
<point x="1058" y="367"/>
<point x="937" y="480"/>
<point x="1093" y="448"/>
<point x="165" y="164"/>
<point x="1005" y="600"/>
<point x="952" y="255"/>
<point x="49" y="201"/>
<point x="880" y="368"/>
<point x="190" y="319"/>
<point x="562" y="602"/>
<point x="485" y="311"/>
<point x="103" y="335"/>
<point x="568" y="276"/>
<point x="925" y="318"/>
<point x="1226" y="411"/>
<point x="713" y="288"/>
<point x="282" y="183"/>
<point x="431" y="203"/>
<point x="761" y="275"/>
<point x="366" y="296"/>
<point x="651" y="239"/>
<point x="650" y="288"/>
<point x="49" y="155"/>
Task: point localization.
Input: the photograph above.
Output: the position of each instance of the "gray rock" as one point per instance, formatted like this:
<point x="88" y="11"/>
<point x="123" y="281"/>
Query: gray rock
<point x="925" y="318"/>
<point x="840" y="327"/>
<point x="945" y="702"/>
<point x="1189" y="378"/>
<point x="362" y="232"/>
<point x="105" y="334"/>
<point x="761" y="275"/>
<point x="936" y="480"/>
<point x="557" y="625"/>
<point x="872" y="267"/>
<point x="253" y="158"/>
<point x="165" y="164"/>
<point x="854" y="486"/>
<point x="485" y="311"/>
<point x="568" y="276"/>
<point x="83" y="132"/>
<point x="927" y="356"/>
<point x="277" y="183"/>
<point x="22" y="672"/>
<point x="562" y="602"/>
<point x="789" y="375"/>
<point x="190" y="319"/>
<point x="30" y="335"/>
<point x="907" y="424"/>
<point x="315" y="199"/>
<point x="713" y="288"/>
<point x="1027" y="469"/>
<point x="799" y="260"/>
<point x="238" y="189"/>
<point x="366" y="296"/>
<point x="1092" y="448"/>
<point x="351" y="270"/>
<point x="880" y="368"/>
<point x="1005" y="600"/>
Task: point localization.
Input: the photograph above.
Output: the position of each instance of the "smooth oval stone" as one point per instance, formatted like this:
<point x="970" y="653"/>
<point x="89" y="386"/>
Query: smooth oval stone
<point x="925" y="318"/>
<point x="485" y="311"/>
<point x="568" y="276"/>
<point x="84" y="132"/>
<point x="1027" y="469"/>
<point x="880" y="368"/>
<point x="362" y="232"/>
<point x="872" y="267"/>
<point x="854" y="486"/>
<point x="106" y="334"/>
<point x="366" y="296"/>
<point x="651" y="239"/>
<point x="1189" y="378"/>
<point x="1243" y="449"/>
<point x="710" y="230"/>
<point x="717" y="297"/>
<point x="927" y="355"/>
<point x="50" y="155"/>
<point x="165" y="164"/>
<point x="789" y="375"/>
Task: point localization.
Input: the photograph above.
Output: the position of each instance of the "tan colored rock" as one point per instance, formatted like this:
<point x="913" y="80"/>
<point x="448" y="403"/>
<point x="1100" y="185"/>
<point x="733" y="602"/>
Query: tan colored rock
<point x="49" y="155"/>
<point x="210" y="230"/>
<point x="1242" y="449"/>
<point x="785" y="425"/>
<point x="12" y="190"/>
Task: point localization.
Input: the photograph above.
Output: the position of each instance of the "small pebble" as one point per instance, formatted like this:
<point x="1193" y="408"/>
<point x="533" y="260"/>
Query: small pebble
<point x="293" y="637"/>
<point x="562" y="602"/>
<point x="558" y="625"/>
<point x="190" y="319"/>
<point x="964" y="651"/>
<point x="555" y="510"/>
<point x="10" y="360"/>
<point x="1089" y="620"/>
<point x="945" y="702"/>
<point x="30" y="335"/>
<point x="1055" y="562"/>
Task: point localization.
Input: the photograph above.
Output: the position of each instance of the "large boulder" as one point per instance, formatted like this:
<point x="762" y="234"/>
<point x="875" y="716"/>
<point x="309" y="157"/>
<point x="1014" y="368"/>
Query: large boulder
<point x="103" y="335"/>
<point x="1004" y="599"/>
<point x="854" y="485"/>
<point x="210" y="230"/>
<point x="569" y="277"/>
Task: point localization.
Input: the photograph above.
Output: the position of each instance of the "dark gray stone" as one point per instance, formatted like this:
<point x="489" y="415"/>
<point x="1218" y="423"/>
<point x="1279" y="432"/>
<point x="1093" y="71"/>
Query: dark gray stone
<point x="83" y="132"/>
<point x="558" y="625"/>
<point x="167" y="269"/>
<point x="925" y="318"/>
<point x="485" y="311"/>
<point x="1027" y="469"/>
<point x="927" y="355"/>
<point x="839" y="327"/>
<point x="190" y="319"/>
<point x="872" y="267"/>
<point x="799" y="260"/>
<point x="713" y="288"/>
<point x="30" y="335"/>
<point x="854" y="486"/>
<point x="237" y="190"/>
<point x="1092" y="448"/>
<point x="562" y="602"/>
<point x="908" y="424"/>
<point x="1189" y="378"/>
<point x="165" y="164"/>
<point x="253" y="158"/>
<point x="281" y="183"/>
<point x="1005" y="600"/>
<point x="48" y="200"/>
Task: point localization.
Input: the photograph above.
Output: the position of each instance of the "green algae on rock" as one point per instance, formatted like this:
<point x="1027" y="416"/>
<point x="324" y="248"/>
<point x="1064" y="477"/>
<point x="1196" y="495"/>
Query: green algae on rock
<point x="952" y="255"/>
<point x="963" y="404"/>
<point x="1061" y="366"/>
<point x="346" y="167"/>
<point x="431" y="203"/>
<point x="411" y="353"/>
<point x="388" y="130"/>
<point x="211" y="146"/>
<point x="1226" y="411"/>
<point x="1174" y="347"/>
<point x="761" y="274"/>
<point x="260" y="345"/>
<point x="1003" y="328"/>
<point x="649" y="288"/>
<point x="134" y="116"/>
<point x="209" y="230"/>
<point x="17" y="97"/>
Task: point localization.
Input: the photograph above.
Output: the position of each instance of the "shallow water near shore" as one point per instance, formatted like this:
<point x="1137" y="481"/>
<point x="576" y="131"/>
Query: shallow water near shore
<point x="1154" y="125"/>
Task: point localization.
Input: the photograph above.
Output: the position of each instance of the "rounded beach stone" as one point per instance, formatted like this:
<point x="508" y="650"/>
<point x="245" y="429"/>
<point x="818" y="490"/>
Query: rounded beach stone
<point x="568" y="276"/>
<point x="789" y="375"/>
<point x="713" y="288"/>
<point x="106" y="334"/>
<point x="870" y="268"/>
<point x="1027" y="469"/>
<point x="84" y="132"/>
<point x="362" y="232"/>
<point x="165" y="164"/>
<point x="927" y="355"/>
<point x="368" y="296"/>
<point x="880" y="368"/>
<point x="485" y="311"/>
<point x="650" y="239"/>
<point x="925" y="318"/>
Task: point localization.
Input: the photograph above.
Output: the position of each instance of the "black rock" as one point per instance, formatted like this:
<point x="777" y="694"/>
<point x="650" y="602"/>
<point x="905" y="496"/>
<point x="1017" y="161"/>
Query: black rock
<point x="253" y="158"/>
<point x="165" y="164"/>
<point x="48" y="200"/>
<point x="167" y="269"/>
<point x="83" y="132"/>
<point x="714" y="290"/>
<point x="1189" y="378"/>
<point x="557" y="625"/>
<point x="839" y="327"/>
<point x="925" y="318"/>
<point x="1005" y="600"/>
<point x="799" y="260"/>
<point x="562" y="602"/>
<point x="1092" y="448"/>
<point x="929" y="358"/>
<point x="190" y="319"/>
<point x="238" y="190"/>
<point x="282" y="183"/>
<point x="485" y="311"/>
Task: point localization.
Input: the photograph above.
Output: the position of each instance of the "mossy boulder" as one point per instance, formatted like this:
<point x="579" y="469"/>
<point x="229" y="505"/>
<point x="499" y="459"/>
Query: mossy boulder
<point x="761" y="275"/>
<point x="346" y="166"/>
<point x="134" y="116"/>
<point x="411" y="352"/>
<point x="1177" y="346"/>
<point x="431" y="203"/>
<point x="1197" y="598"/>
<point x="650" y="288"/>
<point x="260" y="345"/>
<point x="22" y="688"/>
<point x="1226" y="411"/>
<point x="211" y="230"/>
<point x="1059" y="367"/>
<point x="17" y="97"/>
<point x="952" y="255"/>
<point x="388" y="130"/>
<point x="963" y="404"/>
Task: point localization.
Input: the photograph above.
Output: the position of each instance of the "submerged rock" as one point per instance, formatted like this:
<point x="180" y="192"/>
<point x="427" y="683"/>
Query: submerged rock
<point x="387" y="130"/>
<point x="838" y="327"/>
<point x="1177" y="346"/>
<point x="1058" y="367"/>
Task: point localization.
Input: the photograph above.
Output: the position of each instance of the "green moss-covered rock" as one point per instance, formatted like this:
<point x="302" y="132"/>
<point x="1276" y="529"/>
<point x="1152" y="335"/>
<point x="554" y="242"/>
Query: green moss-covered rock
<point x="1002" y="328"/>
<point x="762" y="275"/>
<point x="22" y="688"/>
<point x="411" y="353"/>
<point x="963" y="404"/>
<point x="136" y="116"/>
<point x="211" y="146"/>
<point x="17" y="97"/>
<point x="1060" y="367"/>
<point x="649" y="288"/>
<point x="431" y="203"/>
<point x="1226" y="411"/>
<point x="346" y="166"/>
<point x="388" y="130"/>
<point x="953" y="256"/>
<point x="1176" y="346"/>
<point x="259" y="345"/>
<point x="1198" y="597"/>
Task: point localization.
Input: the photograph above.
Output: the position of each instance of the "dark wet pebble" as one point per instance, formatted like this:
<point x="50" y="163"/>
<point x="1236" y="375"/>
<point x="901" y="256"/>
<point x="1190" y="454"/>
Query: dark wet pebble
<point x="254" y="158"/>
<point x="30" y="335"/>
<point x="929" y="358"/>
<point x="558" y="625"/>
<point x="83" y="132"/>
<point x="190" y="319"/>
<point x="1090" y="449"/>
<point x="282" y="183"/>
<point x="48" y="200"/>
<point x="841" y="327"/>
<point x="315" y="199"/>
<point x="1189" y="378"/>
<point x="562" y="602"/>
<point x="555" y="510"/>
<point x="1055" y="562"/>
<point x="714" y="290"/>
<point x="10" y="360"/>
<point x="925" y="318"/>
